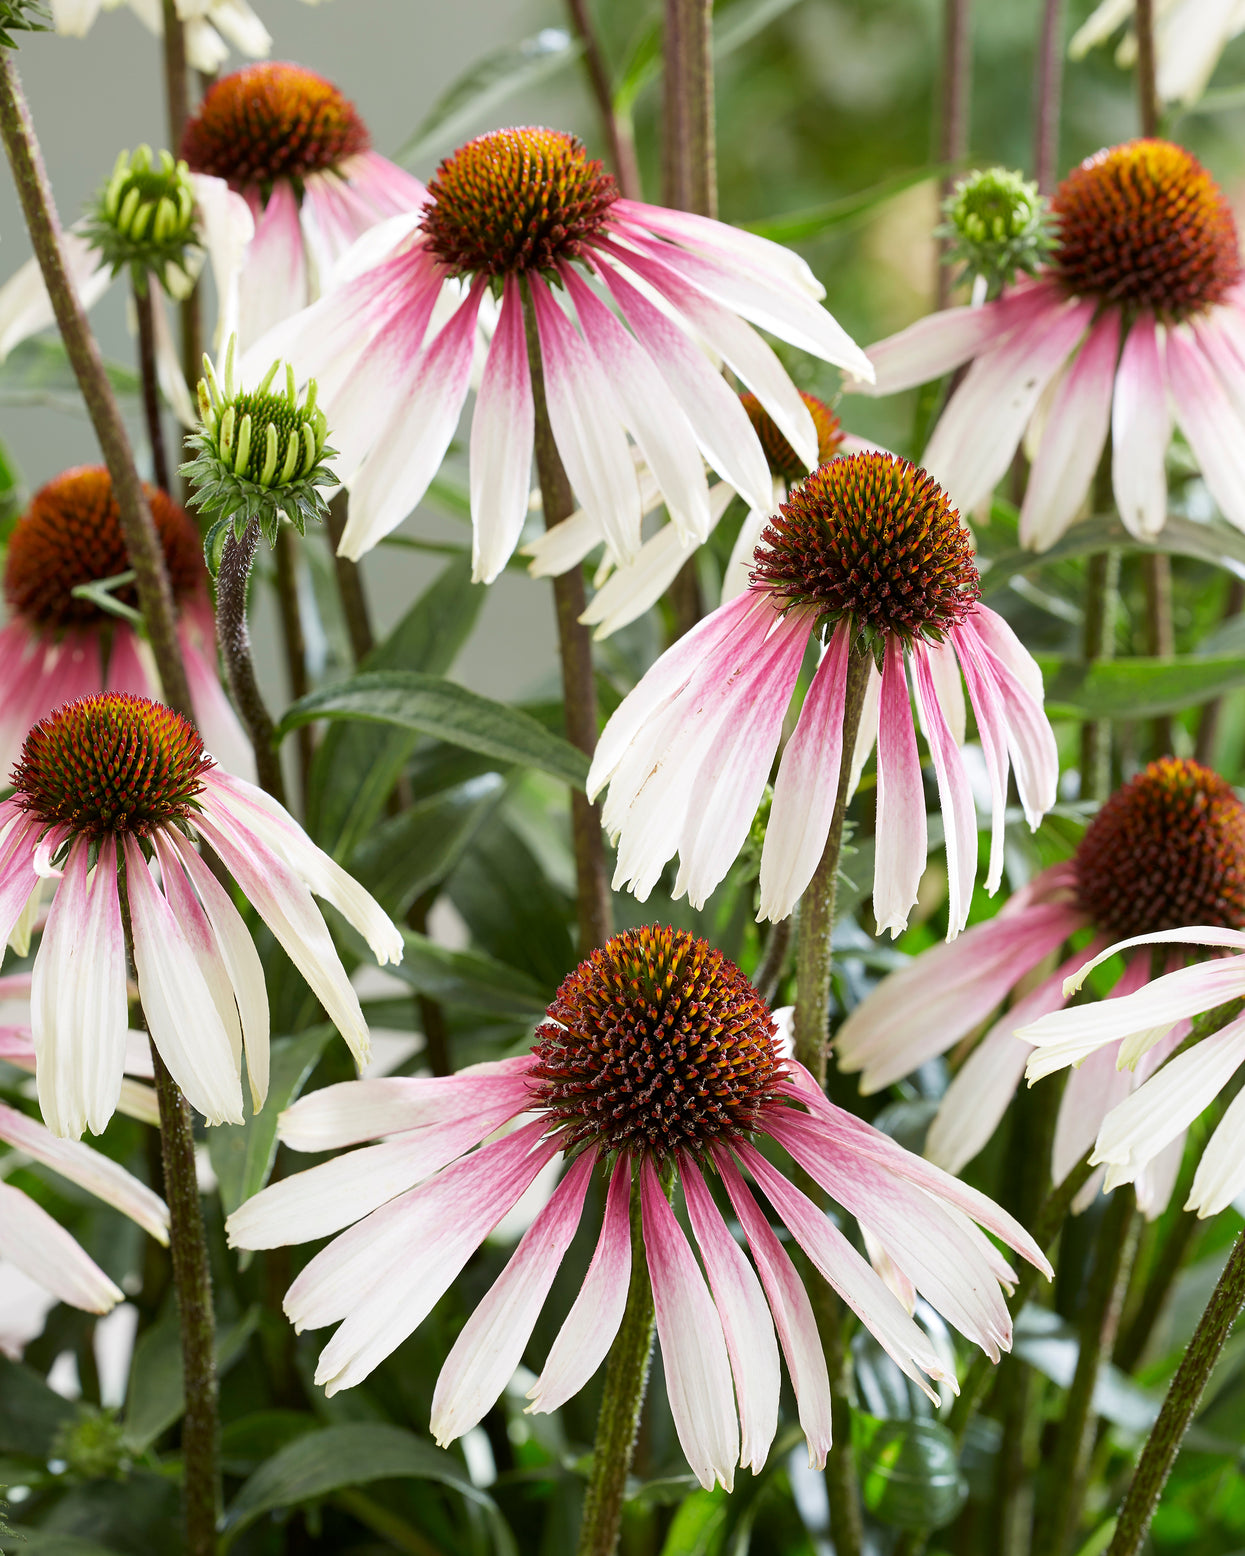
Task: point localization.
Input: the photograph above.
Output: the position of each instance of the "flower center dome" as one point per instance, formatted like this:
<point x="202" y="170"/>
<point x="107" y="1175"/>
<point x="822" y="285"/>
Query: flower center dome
<point x="872" y="537"/>
<point x="656" y="1043"/>
<point x="112" y="763"/>
<point x="270" y="121"/>
<point x="71" y="535"/>
<point x="516" y="200"/>
<point x="784" y="462"/>
<point x="1166" y="850"/>
<point x="1144" y="223"/>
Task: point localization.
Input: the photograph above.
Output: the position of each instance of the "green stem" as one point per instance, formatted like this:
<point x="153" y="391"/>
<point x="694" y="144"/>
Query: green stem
<point x="144" y="302"/>
<point x="956" y="99"/>
<point x="234" y="636"/>
<point x="142" y="545"/>
<point x="1165" y="1266"/>
<point x="1159" y="1453"/>
<point x="1156" y="577"/>
<point x="812" y="1005"/>
<point x="579" y="692"/>
<point x="294" y="643"/>
<point x="847" y="1527"/>
<point x="622" y="1399"/>
<point x="1148" y="106"/>
<point x="618" y="132"/>
<point x="349" y="581"/>
<point x="774" y="962"/>
<point x="1101" y="592"/>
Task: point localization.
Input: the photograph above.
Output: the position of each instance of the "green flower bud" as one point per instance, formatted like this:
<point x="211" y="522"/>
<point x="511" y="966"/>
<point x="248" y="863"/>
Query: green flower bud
<point x="92" y="1446"/>
<point x="22" y="16"/>
<point x="260" y="454"/>
<point x="997" y="224"/>
<point x="144" y="217"/>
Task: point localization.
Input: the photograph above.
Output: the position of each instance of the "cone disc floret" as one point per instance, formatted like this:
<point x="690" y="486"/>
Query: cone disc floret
<point x="655" y="1043"/>
<point x="516" y="200"/>
<point x="1144" y="223"/>
<point x="111" y="764"/>
<point x="1167" y="850"/>
<point x="874" y="538"/>
<point x="270" y="121"/>
<point x="70" y="535"/>
<point x="784" y="462"/>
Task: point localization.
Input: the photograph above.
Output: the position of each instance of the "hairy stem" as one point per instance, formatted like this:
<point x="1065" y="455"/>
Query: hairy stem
<point x="294" y="643"/>
<point x="1167" y="1433"/>
<point x="151" y="579"/>
<point x="1048" y="95"/>
<point x="618" y="133"/>
<point x="234" y="637"/>
<point x="954" y="109"/>
<point x="579" y="692"/>
<point x="349" y="581"/>
<point x="812" y="1004"/>
<point x="144" y="305"/>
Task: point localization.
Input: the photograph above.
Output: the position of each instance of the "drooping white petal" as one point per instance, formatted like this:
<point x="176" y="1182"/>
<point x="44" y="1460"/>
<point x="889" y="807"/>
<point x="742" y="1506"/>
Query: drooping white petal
<point x="901" y="829"/>
<point x="959" y="815"/>
<point x="41" y="1248"/>
<point x="502" y="432"/>
<point x="26" y="308"/>
<point x="1141" y="431"/>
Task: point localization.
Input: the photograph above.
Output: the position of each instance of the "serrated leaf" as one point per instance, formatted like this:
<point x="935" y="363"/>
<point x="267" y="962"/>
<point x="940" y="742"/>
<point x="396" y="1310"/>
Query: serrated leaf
<point x="798" y="226"/>
<point x="356" y="1454"/>
<point x="1136" y="688"/>
<point x="909" y="1471"/>
<point x="486" y="85"/>
<point x="470" y="979"/>
<point x="429" y="705"/>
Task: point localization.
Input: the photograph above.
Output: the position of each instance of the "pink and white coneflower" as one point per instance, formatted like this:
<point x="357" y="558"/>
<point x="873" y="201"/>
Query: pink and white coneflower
<point x="58" y="646"/>
<point x="868" y="554"/>
<point x="1141" y="313"/>
<point x="524" y="215"/>
<point x="658" y="1063"/>
<point x="296" y="149"/>
<point x="35" y="1243"/>
<point x="114" y="784"/>
<point x="1166" y="850"/>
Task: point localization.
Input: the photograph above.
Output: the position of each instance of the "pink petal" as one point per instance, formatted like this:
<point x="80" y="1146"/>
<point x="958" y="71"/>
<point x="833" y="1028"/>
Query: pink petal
<point x="501" y="443"/>
<point x="1210" y="421"/>
<point x="731" y="245"/>
<point x="902" y="842"/>
<point x="1141" y="430"/>
<point x="273" y="284"/>
<point x="959" y="814"/>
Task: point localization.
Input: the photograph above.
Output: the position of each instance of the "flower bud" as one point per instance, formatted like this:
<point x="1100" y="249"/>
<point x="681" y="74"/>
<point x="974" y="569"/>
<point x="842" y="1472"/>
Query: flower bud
<point x="998" y="224"/>
<point x="145" y="217"/>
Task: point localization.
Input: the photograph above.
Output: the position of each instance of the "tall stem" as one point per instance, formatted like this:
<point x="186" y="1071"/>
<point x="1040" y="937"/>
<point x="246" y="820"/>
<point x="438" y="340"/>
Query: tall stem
<point x="953" y="118"/>
<point x="1147" y="70"/>
<point x="192" y="1280"/>
<point x="1049" y="95"/>
<point x="773" y="963"/>
<point x="144" y="304"/>
<point x="177" y="104"/>
<point x="1167" y="1433"/>
<point x="349" y="581"/>
<point x="1101" y="593"/>
<point x="293" y="642"/>
<point x="812" y="1003"/>
<point x="234" y="637"/>
<point x="618" y="132"/>
<point x="1208" y="723"/>
<point x="151" y="579"/>
<point x="622" y="1399"/>
<point x="1156" y="574"/>
<point x="579" y="692"/>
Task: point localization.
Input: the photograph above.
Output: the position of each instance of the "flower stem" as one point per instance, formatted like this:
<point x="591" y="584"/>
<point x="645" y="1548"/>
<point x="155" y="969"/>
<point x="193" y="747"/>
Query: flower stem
<point x="618" y="132"/>
<point x="1147" y="75"/>
<point x="144" y="304"/>
<point x="957" y="89"/>
<point x="234" y="636"/>
<point x="294" y="643"/>
<point x="1102" y="575"/>
<point x="1048" y="94"/>
<point x="1208" y="723"/>
<point x="151" y="580"/>
<point x="192" y="1280"/>
<point x="579" y="692"/>
<point x="1167" y="1433"/>
<point x="176" y="92"/>
<point x="349" y="581"/>
<point x="847" y="1527"/>
<point x="772" y="965"/>
<point x="812" y="1003"/>
<point x="622" y="1399"/>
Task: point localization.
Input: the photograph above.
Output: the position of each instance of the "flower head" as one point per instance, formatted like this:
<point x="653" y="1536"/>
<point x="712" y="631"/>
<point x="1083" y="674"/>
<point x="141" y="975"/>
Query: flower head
<point x="145" y="218"/>
<point x="517" y="224"/>
<point x="106" y="786"/>
<point x="1189" y="37"/>
<point x="868" y="554"/>
<point x="658" y="1066"/>
<point x="998" y="225"/>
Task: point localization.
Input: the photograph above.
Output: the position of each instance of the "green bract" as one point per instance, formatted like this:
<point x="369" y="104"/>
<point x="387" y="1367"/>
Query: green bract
<point x="260" y="455"/>
<point x="145" y="218"/>
<point x="22" y="16"/>
<point x="998" y="224"/>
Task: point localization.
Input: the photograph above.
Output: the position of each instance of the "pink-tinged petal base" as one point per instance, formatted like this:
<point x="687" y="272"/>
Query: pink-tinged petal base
<point x="959" y="814"/>
<point x="1141" y="430"/>
<point x="901" y="834"/>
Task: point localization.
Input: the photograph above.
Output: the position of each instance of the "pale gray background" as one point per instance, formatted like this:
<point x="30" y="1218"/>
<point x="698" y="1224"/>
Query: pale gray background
<point x="93" y="96"/>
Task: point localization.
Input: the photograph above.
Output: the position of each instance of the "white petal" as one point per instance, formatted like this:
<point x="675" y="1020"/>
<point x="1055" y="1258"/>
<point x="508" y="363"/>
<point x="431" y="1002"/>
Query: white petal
<point x="41" y="1248"/>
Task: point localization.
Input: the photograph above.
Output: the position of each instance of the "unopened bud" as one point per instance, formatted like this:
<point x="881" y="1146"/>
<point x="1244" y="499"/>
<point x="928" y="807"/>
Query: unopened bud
<point x="998" y="225"/>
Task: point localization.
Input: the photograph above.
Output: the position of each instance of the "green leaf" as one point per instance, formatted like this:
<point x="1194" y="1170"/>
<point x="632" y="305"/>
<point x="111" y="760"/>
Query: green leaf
<point x="909" y="1471"/>
<point x="37" y="372"/>
<point x="470" y="979"/>
<point x="45" y="1542"/>
<point x="243" y="1154"/>
<point x="697" y="1529"/>
<point x="487" y="84"/>
<point x="1136" y="688"/>
<point x="155" y="1399"/>
<point x="797" y="226"/>
<point x="30" y="1412"/>
<point x="322" y="1462"/>
<point x="1050" y="1344"/>
<point x="428" y="705"/>
<point x="737" y="24"/>
<point x="407" y="855"/>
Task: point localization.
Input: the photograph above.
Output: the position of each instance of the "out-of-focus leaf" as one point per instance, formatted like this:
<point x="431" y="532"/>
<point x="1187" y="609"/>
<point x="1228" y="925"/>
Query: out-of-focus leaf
<point x="487" y="84"/>
<point x="405" y="856"/>
<point x="46" y="1542"/>
<point x="1218" y="543"/>
<point x="699" y="1526"/>
<point x="1136" y="688"/>
<point x="155" y="1398"/>
<point x="37" y="372"/>
<point x="737" y="24"/>
<point x="30" y="1411"/>
<point x="322" y="1462"/>
<point x="355" y="769"/>
<point x="246" y="1443"/>
<point x="1049" y="1343"/>
<point x="469" y="979"/>
<point x="242" y="1154"/>
<point x="797" y="226"/>
<point x="428" y="705"/>
<point x="12" y="492"/>
<point x="909" y="1473"/>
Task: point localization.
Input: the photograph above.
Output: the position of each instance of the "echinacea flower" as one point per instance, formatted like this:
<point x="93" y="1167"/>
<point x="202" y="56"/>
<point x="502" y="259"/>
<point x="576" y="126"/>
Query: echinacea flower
<point x="296" y="149"/>
<point x="1140" y="313"/>
<point x="113" y="784"/>
<point x="658" y="1060"/>
<point x="1166" y="850"/>
<point x="1189" y="37"/>
<point x="868" y="555"/>
<point x="210" y="25"/>
<point x="59" y="646"/>
<point x="626" y="590"/>
<point x="526" y="215"/>
<point x="35" y="1243"/>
